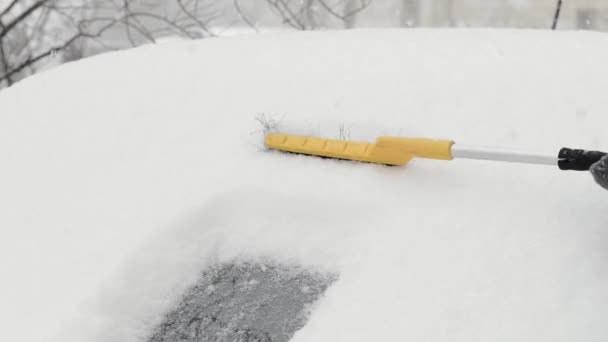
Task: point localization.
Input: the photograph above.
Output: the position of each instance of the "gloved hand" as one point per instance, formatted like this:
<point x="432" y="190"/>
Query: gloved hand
<point x="600" y="172"/>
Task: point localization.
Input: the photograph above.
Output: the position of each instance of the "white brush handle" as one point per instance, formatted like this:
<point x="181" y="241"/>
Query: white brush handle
<point x="511" y="156"/>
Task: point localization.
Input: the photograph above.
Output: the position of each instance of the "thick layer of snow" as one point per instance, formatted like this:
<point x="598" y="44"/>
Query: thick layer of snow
<point x="124" y="175"/>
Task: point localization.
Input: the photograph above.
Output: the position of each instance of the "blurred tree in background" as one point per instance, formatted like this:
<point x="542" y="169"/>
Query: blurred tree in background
<point x="34" y="33"/>
<point x="41" y="33"/>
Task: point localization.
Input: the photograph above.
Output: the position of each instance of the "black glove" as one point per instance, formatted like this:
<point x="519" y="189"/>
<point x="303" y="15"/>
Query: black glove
<point x="600" y="172"/>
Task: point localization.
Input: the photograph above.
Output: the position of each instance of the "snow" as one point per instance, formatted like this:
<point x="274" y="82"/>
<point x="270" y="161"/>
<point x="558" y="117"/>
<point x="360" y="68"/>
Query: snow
<point x="125" y="175"/>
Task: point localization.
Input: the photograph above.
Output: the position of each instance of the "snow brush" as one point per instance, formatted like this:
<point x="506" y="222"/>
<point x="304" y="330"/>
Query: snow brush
<point x="399" y="151"/>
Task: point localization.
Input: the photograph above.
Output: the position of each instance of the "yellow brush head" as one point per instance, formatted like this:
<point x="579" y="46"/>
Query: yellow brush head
<point x="386" y="150"/>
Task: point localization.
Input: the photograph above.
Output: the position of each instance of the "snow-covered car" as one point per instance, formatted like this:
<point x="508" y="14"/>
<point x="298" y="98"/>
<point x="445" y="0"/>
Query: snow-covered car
<point x="138" y="203"/>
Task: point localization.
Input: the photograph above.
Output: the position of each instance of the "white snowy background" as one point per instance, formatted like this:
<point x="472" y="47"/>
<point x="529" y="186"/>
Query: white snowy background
<point x="122" y="176"/>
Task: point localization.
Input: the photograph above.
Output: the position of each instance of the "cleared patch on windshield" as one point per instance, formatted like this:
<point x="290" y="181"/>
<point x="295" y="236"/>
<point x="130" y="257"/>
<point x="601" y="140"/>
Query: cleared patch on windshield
<point x="244" y="303"/>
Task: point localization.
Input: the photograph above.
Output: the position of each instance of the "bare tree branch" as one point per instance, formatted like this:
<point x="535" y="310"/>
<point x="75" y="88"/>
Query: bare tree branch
<point x="285" y="12"/>
<point x="161" y="19"/>
<point x="5" y="65"/>
<point x="242" y="15"/>
<point x="6" y="29"/>
<point x="308" y="11"/>
<point x="558" y="9"/>
<point x="303" y="14"/>
<point x="128" y="25"/>
<point x="364" y="4"/>
<point x="202" y="25"/>
<point x="8" y="8"/>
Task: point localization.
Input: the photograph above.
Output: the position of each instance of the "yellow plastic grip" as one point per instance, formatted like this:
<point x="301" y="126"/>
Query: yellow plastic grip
<point x="386" y="150"/>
